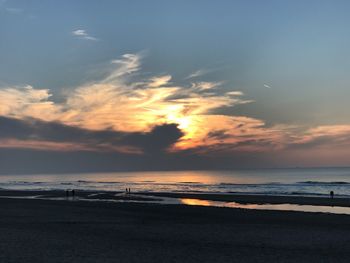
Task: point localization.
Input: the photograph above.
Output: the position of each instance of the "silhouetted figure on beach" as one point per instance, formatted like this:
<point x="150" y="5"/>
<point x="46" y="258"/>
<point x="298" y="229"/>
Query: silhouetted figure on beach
<point x="126" y="190"/>
<point x="129" y="190"/>
<point x="331" y="194"/>
<point x="67" y="193"/>
<point x="73" y="193"/>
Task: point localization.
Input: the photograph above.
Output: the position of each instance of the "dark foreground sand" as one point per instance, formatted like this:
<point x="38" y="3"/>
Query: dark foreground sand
<point x="75" y="231"/>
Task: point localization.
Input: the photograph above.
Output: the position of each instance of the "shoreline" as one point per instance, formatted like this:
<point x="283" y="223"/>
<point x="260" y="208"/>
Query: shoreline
<point x="258" y="199"/>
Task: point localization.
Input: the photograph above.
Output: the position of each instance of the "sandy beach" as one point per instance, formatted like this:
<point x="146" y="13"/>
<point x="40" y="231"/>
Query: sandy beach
<point x="80" y="231"/>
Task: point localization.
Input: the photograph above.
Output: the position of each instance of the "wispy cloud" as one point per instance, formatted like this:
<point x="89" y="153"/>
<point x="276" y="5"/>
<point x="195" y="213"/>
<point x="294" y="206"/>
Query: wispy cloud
<point x="26" y="101"/>
<point x="126" y="65"/>
<point x="81" y="33"/>
<point x="159" y="81"/>
<point x="267" y="86"/>
<point x="198" y="73"/>
<point x="205" y="85"/>
<point x="14" y="11"/>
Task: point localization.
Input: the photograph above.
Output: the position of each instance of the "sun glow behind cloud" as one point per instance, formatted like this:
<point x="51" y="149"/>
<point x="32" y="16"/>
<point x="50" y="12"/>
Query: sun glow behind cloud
<point x="122" y="101"/>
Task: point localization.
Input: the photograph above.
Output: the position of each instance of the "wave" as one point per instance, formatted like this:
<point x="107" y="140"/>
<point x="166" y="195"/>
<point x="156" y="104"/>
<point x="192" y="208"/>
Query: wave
<point x="147" y="181"/>
<point x="189" y="191"/>
<point x="189" y="182"/>
<point x="24" y="182"/>
<point x="262" y="184"/>
<point x="324" y="183"/>
<point x="97" y="182"/>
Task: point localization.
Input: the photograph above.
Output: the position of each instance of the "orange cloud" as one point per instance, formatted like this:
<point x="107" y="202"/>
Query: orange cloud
<point x="44" y="145"/>
<point x="118" y="102"/>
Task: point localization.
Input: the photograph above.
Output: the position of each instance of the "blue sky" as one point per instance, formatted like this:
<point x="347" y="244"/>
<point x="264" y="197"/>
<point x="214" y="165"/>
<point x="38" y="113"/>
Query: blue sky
<point x="289" y="58"/>
<point x="300" y="48"/>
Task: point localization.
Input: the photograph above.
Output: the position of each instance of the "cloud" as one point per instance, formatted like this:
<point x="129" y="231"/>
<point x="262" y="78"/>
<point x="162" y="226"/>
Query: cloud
<point x="81" y="33"/>
<point x="267" y="86"/>
<point x="27" y="102"/>
<point x="36" y="134"/>
<point x="197" y="73"/>
<point x="126" y="65"/>
<point x="323" y="136"/>
<point x="127" y="113"/>
<point x="159" y="139"/>
<point x="205" y="85"/>
<point x="120" y="103"/>
<point x="14" y="11"/>
<point x="159" y="81"/>
<point x="235" y="93"/>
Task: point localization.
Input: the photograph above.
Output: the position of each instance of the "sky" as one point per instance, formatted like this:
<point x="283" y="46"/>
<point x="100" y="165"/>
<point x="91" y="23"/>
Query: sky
<point x="91" y="86"/>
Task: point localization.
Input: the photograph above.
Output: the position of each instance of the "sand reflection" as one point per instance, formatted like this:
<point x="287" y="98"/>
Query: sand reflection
<point x="189" y="201"/>
<point x="281" y="207"/>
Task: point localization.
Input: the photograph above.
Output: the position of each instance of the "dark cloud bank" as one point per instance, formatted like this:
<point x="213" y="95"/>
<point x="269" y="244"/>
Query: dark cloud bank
<point x="152" y="152"/>
<point x="153" y="145"/>
<point x="155" y="141"/>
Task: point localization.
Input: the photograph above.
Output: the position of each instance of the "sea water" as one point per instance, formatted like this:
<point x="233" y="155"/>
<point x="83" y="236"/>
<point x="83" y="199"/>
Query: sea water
<point x="297" y="181"/>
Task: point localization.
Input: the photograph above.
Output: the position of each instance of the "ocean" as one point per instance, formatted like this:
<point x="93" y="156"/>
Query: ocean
<point x="304" y="182"/>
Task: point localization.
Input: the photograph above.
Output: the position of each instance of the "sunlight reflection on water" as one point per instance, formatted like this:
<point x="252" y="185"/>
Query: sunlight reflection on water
<point x="281" y="207"/>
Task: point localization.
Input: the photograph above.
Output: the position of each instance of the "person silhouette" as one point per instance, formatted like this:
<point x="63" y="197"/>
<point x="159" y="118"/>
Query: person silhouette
<point x="73" y="193"/>
<point x="67" y="193"/>
<point x="331" y="194"/>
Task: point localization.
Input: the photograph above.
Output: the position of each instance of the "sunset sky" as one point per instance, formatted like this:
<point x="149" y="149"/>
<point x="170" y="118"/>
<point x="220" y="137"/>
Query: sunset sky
<point x="164" y="85"/>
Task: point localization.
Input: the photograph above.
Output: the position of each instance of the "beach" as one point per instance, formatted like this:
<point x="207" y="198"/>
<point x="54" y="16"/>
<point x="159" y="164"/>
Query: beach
<point x="35" y="230"/>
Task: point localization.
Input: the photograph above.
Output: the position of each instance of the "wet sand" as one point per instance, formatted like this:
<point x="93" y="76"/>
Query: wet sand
<point x="79" y="231"/>
<point x="260" y="199"/>
<point x="156" y="196"/>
